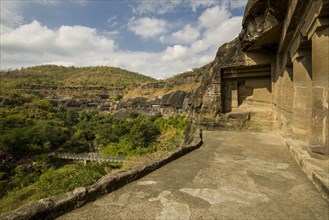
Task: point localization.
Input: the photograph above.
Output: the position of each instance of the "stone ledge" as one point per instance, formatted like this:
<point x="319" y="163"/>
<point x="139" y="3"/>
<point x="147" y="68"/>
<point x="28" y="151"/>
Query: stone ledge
<point x="50" y="208"/>
<point x="316" y="167"/>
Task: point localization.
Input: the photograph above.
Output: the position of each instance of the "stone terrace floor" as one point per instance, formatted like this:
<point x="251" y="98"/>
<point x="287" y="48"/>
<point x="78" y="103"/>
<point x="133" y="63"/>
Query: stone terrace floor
<point x="234" y="175"/>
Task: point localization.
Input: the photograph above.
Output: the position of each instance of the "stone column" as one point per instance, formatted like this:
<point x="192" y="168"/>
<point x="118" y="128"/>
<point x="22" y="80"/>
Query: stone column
<point x="302" y="103"/>
<point x="234" y="94"/>
<point x="320" y="75"/>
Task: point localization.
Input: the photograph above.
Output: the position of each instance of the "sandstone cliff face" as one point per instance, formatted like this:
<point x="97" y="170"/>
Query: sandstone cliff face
<point x="207" y="98"/>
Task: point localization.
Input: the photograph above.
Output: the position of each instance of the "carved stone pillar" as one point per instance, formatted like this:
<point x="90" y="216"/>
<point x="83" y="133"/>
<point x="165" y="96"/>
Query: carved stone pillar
<point x="302" y="79"/>
<point x="320" y="79"/>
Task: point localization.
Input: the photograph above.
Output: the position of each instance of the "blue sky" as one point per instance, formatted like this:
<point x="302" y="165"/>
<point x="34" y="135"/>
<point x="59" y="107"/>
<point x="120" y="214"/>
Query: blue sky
<point x="157" y="38"/>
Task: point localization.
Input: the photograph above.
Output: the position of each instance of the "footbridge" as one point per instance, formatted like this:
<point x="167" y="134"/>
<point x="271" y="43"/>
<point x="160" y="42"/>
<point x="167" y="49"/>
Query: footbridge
<point x="89" y="157"/>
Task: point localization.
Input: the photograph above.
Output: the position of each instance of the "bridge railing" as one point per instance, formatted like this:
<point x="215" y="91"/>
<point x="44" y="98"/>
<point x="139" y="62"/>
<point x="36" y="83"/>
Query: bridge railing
<point x="88" y="157"/>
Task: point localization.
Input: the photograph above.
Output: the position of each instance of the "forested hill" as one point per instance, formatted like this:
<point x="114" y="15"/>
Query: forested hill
<point x="60" y="76"/>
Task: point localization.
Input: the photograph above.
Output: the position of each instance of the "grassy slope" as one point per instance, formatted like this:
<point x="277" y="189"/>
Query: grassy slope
<point x="60" y="76"/>
<point x="49" y="75"/>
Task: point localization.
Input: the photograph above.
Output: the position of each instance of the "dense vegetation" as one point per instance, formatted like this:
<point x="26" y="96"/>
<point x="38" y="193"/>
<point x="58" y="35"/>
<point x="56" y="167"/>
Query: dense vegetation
<point x="32" y="129"/>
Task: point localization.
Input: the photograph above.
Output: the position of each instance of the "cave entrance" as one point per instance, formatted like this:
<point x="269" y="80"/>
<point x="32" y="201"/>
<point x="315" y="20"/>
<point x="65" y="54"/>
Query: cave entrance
<point x="245" y="85"/>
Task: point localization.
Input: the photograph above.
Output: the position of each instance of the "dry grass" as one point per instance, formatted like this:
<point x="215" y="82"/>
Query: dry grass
<point x="152" y="93"/>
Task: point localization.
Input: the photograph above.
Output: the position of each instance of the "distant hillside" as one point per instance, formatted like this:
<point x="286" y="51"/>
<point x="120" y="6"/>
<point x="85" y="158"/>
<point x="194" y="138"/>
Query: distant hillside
<point x="60" y="76"/>
<point x="70" y="87"/>
<point x="103" y="88"/>
<point x="188" y="81"/>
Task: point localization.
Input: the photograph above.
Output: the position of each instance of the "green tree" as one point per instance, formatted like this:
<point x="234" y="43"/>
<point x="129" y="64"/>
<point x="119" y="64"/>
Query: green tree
<point x="143" y="133"/>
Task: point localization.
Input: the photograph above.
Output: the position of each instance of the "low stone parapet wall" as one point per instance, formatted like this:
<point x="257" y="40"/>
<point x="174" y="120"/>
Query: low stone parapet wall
<point x="50" y="208"/>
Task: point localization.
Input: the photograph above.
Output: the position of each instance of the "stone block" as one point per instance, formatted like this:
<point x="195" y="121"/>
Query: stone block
<point x="302" y="68"/>
<point x="320" y="57"/>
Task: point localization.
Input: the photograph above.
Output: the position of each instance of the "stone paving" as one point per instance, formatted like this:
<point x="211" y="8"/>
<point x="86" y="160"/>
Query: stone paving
<point x="234" y="175"/>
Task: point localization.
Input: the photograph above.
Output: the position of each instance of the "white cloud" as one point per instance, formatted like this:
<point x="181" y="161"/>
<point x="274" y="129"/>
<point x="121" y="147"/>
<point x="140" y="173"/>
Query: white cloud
<point x="49" y="2"/>
<point x="238" y="3"/>
<point x="29" y="38"/>
<point x="147" y="27"/>
<point x="79" y="38"/>
<point x="82" y="3"/>
<point x="215" y="36"/>
<point x="35" y="38"/>
<point x="230" y="4"/>
<point x="195" y="4"/>
<point x="187" y="35"/>
<point x="213" y="16"/>
<point x="215" y="26"/>
<point x="111" y="34"/>
<point x="155" y="7"/>
<point x="174" y="53"/>
<point x="112" y="21"/>
<point x="10" y="15"/>
<point x="160" y="7"/>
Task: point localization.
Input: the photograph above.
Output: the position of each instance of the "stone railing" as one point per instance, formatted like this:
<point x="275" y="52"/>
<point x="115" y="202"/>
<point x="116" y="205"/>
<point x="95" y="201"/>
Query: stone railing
<point x="50" y="208"/>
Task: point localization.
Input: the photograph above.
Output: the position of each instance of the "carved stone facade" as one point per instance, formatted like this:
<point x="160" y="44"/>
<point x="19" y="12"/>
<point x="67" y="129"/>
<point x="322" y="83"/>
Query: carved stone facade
<point x="277" y="71"/>
<point x="301" y="74"/>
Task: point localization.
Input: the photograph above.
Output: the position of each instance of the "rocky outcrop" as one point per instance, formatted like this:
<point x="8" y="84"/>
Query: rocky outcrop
<point x="138" y="102"/>
<point x="168" y="104"/>
<point x="174" y="99"/>
<point x="262" y="23"/>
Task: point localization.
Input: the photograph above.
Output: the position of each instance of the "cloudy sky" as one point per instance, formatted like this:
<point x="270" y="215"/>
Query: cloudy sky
<point x="158" y="38"/>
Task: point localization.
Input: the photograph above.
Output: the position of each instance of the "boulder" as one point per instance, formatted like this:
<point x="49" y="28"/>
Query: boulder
<point x="174" y="99"/>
